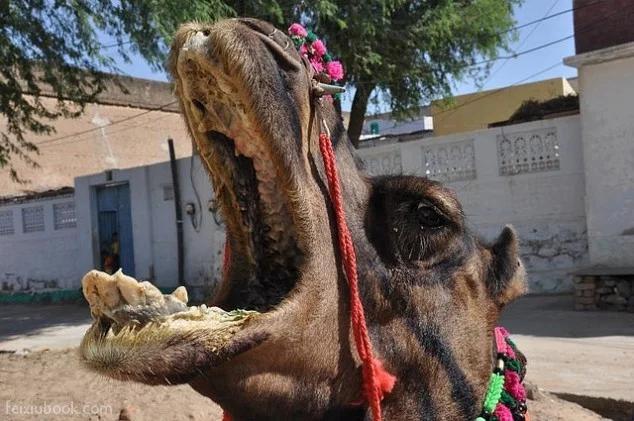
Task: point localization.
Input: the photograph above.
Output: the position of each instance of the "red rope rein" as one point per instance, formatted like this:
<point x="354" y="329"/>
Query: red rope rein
<point x="377" y="382"/>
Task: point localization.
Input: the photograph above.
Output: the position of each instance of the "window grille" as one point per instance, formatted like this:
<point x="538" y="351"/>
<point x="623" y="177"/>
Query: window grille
<point x="6" y="222"/>
<point x="33" y="219"/>
<point x="64" y="215"/>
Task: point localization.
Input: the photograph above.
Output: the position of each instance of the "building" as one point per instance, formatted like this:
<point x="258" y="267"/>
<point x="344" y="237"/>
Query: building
<point x="565" y="182"/>
<point x="478" y="110"/>
<point x="120" y="130"/>
<point x="605" y="62"/>
<point x="46" y="225"/>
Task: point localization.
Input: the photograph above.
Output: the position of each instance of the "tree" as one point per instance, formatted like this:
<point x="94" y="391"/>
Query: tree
<point x="405" y="50"/>
<point x="52" y="47"/>
<point x="409" y="51"/>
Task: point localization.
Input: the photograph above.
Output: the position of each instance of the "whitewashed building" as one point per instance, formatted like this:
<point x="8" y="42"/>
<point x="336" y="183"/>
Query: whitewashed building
<point x="566" y="184"/>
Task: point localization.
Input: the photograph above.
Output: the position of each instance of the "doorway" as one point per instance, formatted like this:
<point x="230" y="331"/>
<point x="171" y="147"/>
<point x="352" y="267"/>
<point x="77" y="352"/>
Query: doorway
<point x="114" y="216"/>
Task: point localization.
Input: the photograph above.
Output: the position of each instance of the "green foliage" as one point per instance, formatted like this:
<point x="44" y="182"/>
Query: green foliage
<point x="409" y="51"/>
<point x="406" y="50"/>
<point x="52" y="47"/>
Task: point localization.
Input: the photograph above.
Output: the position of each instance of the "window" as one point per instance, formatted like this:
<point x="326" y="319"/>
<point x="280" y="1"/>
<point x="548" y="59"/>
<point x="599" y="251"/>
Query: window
<point x="6" y="222"/>
<point x="374" y="127"/>
<point x="33" y="219"/>
<point x="64" y="215"/>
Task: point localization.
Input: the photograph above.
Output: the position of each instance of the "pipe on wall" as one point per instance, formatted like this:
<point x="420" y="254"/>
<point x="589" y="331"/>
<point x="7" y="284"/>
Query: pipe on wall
<point x="179" y="214"/>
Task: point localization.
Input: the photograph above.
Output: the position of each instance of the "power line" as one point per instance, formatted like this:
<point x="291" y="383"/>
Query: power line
<point x="94" y="129"/>
<point x="532" y="31"/>
<point x="531" y="50"/>
<point x="78" y="138"/>
<point x="117" y="44"/>
<point x="548" y="17"/>
<point x="577" y="31"/>
<point x="500" y="90"/>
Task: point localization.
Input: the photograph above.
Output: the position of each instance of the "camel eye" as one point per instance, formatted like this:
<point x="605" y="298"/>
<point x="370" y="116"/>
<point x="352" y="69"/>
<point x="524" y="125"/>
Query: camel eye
<point x="428" y="216"/>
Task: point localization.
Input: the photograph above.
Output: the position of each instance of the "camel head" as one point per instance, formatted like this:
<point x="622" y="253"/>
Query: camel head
<point x="431" y="289"/>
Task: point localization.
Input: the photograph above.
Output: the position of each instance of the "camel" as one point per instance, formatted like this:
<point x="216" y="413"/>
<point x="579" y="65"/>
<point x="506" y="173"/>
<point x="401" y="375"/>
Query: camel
<point x="431" y="289"/>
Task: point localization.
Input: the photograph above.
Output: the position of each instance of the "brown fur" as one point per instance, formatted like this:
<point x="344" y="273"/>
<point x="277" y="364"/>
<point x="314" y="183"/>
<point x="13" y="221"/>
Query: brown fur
<point x="432" y="291"/>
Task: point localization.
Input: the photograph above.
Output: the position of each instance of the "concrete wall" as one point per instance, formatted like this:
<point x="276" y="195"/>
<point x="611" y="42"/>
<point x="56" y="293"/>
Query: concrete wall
<point x="476" y="111"/>
<point x="40" y="259"/>
<point x="543" y="199"/>
<point x="154" y="224"/>
<point x="608" y="143"/>
<point x="529" y="175"/>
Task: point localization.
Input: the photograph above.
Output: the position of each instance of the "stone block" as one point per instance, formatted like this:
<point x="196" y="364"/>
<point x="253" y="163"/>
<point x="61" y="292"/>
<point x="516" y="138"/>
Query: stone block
<point x="605" y="290"/>
<point x="588" y="293"/>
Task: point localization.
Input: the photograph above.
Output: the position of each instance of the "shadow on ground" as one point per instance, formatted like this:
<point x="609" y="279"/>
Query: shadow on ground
<point x="28" y="320"/>
<point x="554" y="316"/>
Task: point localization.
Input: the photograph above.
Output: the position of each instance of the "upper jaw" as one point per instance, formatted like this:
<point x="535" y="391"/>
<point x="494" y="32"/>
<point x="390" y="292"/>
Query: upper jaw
<point x="216" y="98"/>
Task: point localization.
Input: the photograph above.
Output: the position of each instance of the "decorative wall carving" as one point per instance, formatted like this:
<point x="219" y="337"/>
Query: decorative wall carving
<point x="449" y="161"/>
<point x="527" y="152"/>
<point x="387" y="162"/>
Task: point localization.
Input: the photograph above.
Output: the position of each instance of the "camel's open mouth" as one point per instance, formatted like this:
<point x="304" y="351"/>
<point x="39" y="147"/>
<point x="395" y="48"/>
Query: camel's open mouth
<point x="229" y="80"/>
<point x="235" y="141"/>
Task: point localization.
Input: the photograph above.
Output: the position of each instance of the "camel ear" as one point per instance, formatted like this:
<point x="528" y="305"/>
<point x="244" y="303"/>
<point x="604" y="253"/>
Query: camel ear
<point x="507" y="278"/>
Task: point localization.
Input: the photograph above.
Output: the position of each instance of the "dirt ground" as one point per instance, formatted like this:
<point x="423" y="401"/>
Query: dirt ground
<point x="53" y="381"/>
<point x="586" y="354"/>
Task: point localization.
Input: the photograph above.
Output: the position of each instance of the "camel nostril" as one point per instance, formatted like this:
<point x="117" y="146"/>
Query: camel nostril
<point x="205" y="32"/>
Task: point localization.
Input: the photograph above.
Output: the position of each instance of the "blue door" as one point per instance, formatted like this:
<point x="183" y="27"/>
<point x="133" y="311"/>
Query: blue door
<point x="115" y="229"/>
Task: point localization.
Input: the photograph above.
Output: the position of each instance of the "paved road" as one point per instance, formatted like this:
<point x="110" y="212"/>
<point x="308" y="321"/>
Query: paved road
<point x="581" y="353"/>
<point x="35" y="327"/>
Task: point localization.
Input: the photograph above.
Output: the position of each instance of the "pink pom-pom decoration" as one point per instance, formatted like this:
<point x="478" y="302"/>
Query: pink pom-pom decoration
<point x="318" y="65"/>
<point x="319" y="49"/>
<point x="297" y="30"/>
<point x="303" y="50"/>
<point x="334" y="70"/>
<point x="513" y="385"/>
<point x="502" y="413"/>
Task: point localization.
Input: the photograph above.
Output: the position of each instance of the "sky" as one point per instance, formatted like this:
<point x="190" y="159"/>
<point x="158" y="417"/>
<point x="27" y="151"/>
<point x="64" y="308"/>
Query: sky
<point x="503" y="73"/>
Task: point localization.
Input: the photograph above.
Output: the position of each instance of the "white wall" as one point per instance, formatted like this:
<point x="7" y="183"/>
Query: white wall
<point x="608" y="142"/>
<point x="42" y="259"/>
<point x="154" y="224"/>
<point x="546" y="207"/>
